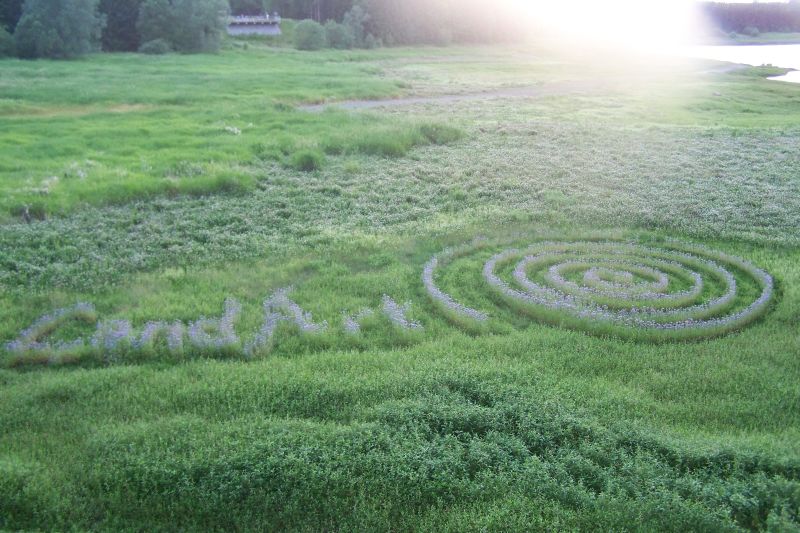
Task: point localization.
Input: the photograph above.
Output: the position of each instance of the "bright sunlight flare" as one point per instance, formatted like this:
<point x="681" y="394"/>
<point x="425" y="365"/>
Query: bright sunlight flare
<point x="634" y="24"/>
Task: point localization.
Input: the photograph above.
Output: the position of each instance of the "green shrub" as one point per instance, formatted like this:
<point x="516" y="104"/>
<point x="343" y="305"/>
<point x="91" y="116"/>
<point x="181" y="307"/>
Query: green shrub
<point x="338" y="35"/>
<point x="156" y="47"/>
<point x="309" y="35"/>
<point x="187" y="25"/>
<point x="306" y="160"/>
<point x="6" y="43"/>
<point x="390" y="142"/>
<point x="58" y="28"/>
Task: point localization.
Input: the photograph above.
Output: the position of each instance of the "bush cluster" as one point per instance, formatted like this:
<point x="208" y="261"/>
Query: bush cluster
<point x="311" y="35"/>
<point x="338" y="35"/>
<point x="352" y="32"/>
<point x="412" y="21"/>
<point x="187" y="25"/>
<point x="58" y="28"/>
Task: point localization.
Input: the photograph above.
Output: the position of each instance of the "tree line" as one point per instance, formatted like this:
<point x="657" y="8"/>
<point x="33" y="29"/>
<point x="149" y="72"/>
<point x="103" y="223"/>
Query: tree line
<point x="754" y="18"/>
<point x="69" y="28"/>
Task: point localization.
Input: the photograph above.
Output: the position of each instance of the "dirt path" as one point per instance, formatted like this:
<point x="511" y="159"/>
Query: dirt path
<point x="550" y="89"/>
<point x="574" y="87"/>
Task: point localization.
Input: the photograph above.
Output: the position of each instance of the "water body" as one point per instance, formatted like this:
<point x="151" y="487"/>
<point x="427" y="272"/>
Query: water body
<point x="779" y="55"/>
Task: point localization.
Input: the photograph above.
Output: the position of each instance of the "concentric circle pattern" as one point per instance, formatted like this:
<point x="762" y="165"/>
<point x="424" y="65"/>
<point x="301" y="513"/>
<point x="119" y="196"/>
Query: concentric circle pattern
<point x="674" y="291"/>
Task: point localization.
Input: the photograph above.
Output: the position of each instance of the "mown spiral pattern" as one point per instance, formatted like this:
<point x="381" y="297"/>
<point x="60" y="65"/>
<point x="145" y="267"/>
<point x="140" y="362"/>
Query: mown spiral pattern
<point x="672" y="291"/>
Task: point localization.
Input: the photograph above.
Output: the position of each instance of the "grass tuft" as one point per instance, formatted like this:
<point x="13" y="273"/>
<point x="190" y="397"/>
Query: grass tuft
<point x="306" y="160"/>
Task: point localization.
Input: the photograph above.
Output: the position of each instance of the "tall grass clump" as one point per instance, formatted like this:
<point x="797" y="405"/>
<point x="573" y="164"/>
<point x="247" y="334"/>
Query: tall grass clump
<point x="391" y="142"/>
<point x="440" y="133"/>
<point x="306" y="160"/>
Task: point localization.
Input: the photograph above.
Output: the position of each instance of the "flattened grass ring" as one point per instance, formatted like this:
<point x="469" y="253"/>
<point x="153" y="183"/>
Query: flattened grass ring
<point x="676" y="291"/>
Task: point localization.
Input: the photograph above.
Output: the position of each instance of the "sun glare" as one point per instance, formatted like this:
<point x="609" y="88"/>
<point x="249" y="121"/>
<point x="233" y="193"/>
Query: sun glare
<point x="637" y="25"/>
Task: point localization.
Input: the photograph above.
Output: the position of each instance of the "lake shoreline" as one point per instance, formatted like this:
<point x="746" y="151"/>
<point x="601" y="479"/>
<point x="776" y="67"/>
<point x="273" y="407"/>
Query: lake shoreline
<point x="780" y="56"/>
<point x="764" y="39"/>
<point x="749" y="43"/>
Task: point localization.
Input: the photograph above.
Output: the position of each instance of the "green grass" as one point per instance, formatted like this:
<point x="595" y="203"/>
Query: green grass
<point x="516" y="425"/>
<point x="173" y="125"/>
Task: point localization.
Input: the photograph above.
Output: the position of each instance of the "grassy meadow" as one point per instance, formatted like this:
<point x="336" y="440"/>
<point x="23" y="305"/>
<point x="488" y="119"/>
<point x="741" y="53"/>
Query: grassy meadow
<point x="130" y="127"/>
<point x="157" y="187"/>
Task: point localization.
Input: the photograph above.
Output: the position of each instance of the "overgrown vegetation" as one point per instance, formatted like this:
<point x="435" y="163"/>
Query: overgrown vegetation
<point x="517" y="426"/>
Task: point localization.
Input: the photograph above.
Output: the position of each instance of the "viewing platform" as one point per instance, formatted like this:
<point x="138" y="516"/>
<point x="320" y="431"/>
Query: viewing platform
<point x="254" y="25"/>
